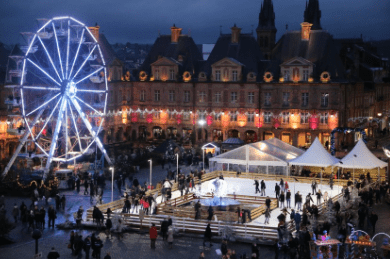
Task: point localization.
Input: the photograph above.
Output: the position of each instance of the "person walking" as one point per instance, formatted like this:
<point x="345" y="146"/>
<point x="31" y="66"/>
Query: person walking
<point x="164" y="229"/>
<point x="98" y="244"/>
<point x="72" y="241"/>
<point x="78" y="184"/>
<point x="63" y="201"/>
<point x="153" y="236"/>
<point x="15" y="213"/>
<point x="297" y="220"/>
<point x="87" y="246"/>
<point x="268" y="202"/>
<point x="308" y="199"/>
<point x="262" y="187"/>
<point x="319" y="196"/>
<point x="207" y="235"/>
<point x="86" y="186"/>
<point x="211" y="213"/>
<point x="170" y="236"/>
<point x="288" y="198"/>
<point x="53" y="254"/>
<point x="281" y="183"/>
<point x="256" y="186"/>
<point x="108" y="227"/>
<point x="286" y="186"/>
<point x="373" y="220"/>
<point x="281" y="200"/>
<point x="52" y="216"/>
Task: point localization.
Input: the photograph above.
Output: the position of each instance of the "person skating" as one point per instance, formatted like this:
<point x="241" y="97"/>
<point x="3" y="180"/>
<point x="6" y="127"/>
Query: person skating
<point x="281" y="200"/>
<point x="262" y="187"/>
<point x="277" y="190"/>
<point x="207" y="235"/>
<point x="256" y="186"/>
<point x="267" y="215"/>
<point x="211" y="213"/>
<point x="170" y="236"/>
<point x="288" y="199"/>
<point x="153" y="236"/>
<point x="314" y="187"/>
<point x="281" y="183"/>
<point x="319" y="195"/>
<point x="53" y="254"/>
<point x="308" y="199"/>
<point x="268" y="202"/>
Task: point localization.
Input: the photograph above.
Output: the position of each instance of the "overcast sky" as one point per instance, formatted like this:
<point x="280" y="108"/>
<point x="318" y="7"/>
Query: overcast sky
<point x="138" y="21"/>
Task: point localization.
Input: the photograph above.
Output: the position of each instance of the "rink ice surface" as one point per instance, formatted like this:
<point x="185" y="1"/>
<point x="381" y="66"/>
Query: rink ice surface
<point x="246" y="187"/>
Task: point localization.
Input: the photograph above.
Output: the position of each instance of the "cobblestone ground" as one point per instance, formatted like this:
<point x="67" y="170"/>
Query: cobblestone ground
<point x="133" y="245"/>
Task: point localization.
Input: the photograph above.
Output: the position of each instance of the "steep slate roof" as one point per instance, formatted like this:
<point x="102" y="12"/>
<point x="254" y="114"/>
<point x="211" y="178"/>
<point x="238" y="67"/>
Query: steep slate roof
<point x="164" y="48"/>
<point x="246" y="51"/>
<point x="108" y="53"/>
<point x="320" y="49"/>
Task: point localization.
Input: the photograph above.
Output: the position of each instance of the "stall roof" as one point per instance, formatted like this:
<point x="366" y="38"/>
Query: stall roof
<point x="361" y="157"/>
<point x="316" y="155"/>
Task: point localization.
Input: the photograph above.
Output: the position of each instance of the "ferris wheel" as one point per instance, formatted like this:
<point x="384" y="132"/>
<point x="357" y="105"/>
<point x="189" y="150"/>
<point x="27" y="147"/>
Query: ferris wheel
<point x="63" y="90"/>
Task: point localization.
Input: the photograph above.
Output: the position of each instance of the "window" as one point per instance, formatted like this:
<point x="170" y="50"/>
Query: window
<point x="251" y="97"/>
<point x="142" y="115"/>
<point x="186" y="116"/>
<point x="324" y="118"/>
<point x="286" y="75"/>
<point x="172" y="74"/>
<point x="202" y="96"/>
<point x="218" y="97"/>
<point x="267" y="117"/>
<point x="286" y="97"/>
<point x="217" y="75"/>
<point x="156" y="95"/>
<point x="171" y="95"/>
<point x="170" y="115"/>
<point x="156" y="115"/>
<point x="251" y="117"/>
<point x="233" y="117"/>
<point x="267" y="99"/>
<point x="285" y="117"/>
<point x="305" y="76"/>
<point x="233" y="97"/>
<point x="305" y="99"/>
<point x="142" y="96"/>
<point x="324" y="99"/>
<point x="304" y="117"/>
<point x="156" y="75"/>
<point x="217" y="117"/>
<point x="234" y="75"/>
<point x="187" y="96"/>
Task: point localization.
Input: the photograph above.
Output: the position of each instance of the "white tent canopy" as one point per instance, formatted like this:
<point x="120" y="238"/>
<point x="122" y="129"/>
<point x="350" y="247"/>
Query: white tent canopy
<point x="361" y="157"/>
<point x="256" y="156"/>
<point x="316" y="155"/>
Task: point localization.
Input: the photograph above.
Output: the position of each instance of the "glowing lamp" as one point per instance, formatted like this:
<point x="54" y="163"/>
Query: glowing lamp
<point x="241" y="120"/>
<point x="281" y="80"/>
<point x="163" y="117"/>
<point x="209" y="120"/>
<point x="124" y="117"/>
<point x="333" y="122"/>
<point x="313" y="122"/>
<point x="178" y="118"/>
<point x="202" y="122"/>
<point x="311" y="80"/>
<point x="149" y="118"/>
<point x="134" y="117"/>
<point x="259" y="121"/>
<point x="276" y="123"/>
<point x="295" y="120"/>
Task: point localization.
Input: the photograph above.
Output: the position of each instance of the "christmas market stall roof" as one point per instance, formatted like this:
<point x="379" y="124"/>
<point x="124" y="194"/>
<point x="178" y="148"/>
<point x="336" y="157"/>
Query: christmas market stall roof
<point x="316" y="155"/>
<point x="263" y="153"/>
<point x="361" y="158"/>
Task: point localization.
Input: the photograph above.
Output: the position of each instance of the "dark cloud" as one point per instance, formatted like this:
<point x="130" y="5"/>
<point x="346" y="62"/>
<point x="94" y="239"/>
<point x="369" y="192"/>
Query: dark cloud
<point x="140" y="21"/>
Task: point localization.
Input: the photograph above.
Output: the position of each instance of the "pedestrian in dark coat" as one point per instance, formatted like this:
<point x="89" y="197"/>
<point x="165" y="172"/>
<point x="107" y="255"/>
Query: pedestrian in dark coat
<point x="78" y="184"/>
<point x="98" y="247"/>
<point x="277" y="190"/>
<point x="268" y="202"/>
<point x="15" y="213"/>
<point x="211" y="213"/>
<point x="63" y="201"/>
<point x="256" y="186"/>
<point x="87" y="247"/>
<point x="262" y="186"/>
<point x="207" y="235"/>
<point x="297" y="220"/>
<point x="53" y="254"/>
<point x="52" y="216"/>
<point x="373" y="220"/>
<point x="79" y="244"/>
<point x="164" y="229"/>
<point x="86" y="187"/>
<point x="72" y="241"/>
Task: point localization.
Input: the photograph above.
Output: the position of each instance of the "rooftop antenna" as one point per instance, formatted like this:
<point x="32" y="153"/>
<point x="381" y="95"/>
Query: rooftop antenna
<point x="220" y="29"/>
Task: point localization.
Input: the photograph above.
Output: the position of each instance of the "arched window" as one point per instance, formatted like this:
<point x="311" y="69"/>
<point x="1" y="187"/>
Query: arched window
<point x="265" y="42"/>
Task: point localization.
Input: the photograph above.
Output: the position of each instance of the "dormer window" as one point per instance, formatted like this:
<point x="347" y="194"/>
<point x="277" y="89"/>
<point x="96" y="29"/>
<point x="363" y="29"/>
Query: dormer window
<point x="171" y="74"/>
<point x="234" y="76"/>
<point x="286" y="75"/>
<point x="217" y="75"/>
<point x="156" y="75"/>
<point x="305" y="75"/>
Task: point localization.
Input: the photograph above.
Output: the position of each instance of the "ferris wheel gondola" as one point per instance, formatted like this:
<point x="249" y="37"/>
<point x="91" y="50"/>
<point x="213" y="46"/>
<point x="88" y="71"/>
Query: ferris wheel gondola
<point x="58" y="89"/>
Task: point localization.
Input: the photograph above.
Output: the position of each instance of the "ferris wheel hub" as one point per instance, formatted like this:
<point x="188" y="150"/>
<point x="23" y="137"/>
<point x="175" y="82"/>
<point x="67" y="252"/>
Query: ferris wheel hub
<point x="68" y="88"/>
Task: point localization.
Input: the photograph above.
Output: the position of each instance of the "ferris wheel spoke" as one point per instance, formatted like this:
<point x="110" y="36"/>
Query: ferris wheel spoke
<point x="67" y="51"/>
<point x="58" y="49"/>
<point x="77" y="53"/>
<point x="88" y="76"/>
<point x="50" y="59"/>
<point x="85" y="61"/>
<point x="48" y="119"/>
<point x="89" y="106"/>
<point x="75" y="126"/>
<point x="44" y="104"/>
<point x="91" y="91"/>
<point x="35" y="87"/>
<point x="43" y="71"/>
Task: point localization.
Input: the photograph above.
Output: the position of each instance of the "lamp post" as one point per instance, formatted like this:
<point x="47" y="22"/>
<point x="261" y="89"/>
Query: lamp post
<point x="150" y="177"/>
<point x="177" y="167"/>
<point x="204" y="150"/>
<point x="37" y="234"/>
<point x="112" y="183"/>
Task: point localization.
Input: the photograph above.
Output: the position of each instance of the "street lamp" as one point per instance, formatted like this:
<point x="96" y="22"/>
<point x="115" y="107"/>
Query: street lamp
<point x="204" y="150"/>
<point x="150" y="178"/>
<point x="177" y="167"/>
<point x="112" y="183"/>
<point x="37" y="234"/>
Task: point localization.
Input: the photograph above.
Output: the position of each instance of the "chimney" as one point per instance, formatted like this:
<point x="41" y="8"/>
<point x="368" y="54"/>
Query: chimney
<point x="175" y="33"/>
<point x="235" y="33"/>
<point x="305" y="32"/>
<point x="95" y="31"/>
